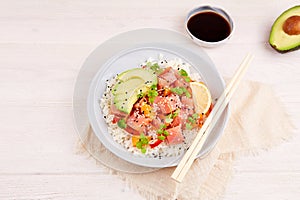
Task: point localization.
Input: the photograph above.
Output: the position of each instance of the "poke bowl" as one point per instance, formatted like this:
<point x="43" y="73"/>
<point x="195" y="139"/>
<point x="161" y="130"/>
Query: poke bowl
<point x="143" y="103"/>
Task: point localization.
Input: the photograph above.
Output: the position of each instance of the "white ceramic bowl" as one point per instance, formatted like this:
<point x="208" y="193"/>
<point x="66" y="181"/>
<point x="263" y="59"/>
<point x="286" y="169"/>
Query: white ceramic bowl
<point x="207" y="8"/>
<point x="125" y="51"/>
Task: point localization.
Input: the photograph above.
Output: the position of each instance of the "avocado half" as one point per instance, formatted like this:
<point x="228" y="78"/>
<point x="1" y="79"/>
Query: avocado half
<point x="285" y="32"/>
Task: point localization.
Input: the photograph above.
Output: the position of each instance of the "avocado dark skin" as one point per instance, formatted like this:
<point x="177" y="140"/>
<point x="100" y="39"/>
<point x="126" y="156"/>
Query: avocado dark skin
<point x="285" y="32"/>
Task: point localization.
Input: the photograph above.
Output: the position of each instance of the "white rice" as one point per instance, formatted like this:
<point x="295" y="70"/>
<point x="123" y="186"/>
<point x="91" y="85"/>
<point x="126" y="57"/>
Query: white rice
<point x="123" y="138"/>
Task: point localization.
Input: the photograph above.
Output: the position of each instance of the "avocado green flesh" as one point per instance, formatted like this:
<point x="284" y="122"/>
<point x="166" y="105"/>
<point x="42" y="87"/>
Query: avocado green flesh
<point x="129" y="85"/>
<point x="124" y="103"/>
<point x="146" y="75"/>
<point x="280" y="40"/>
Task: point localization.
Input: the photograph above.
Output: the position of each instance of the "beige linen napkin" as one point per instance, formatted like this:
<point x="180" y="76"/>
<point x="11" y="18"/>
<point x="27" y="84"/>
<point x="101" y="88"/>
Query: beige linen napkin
<point x="257" y="122"/>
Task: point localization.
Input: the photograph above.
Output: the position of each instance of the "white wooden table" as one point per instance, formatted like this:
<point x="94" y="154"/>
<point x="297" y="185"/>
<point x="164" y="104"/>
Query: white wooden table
<point x="42" y="47"/>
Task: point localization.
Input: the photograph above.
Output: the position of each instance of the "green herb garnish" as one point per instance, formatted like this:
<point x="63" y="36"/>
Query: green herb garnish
<point x="139" y="145"/>
<point x="187" y="79"/>
<point x="195" y="116"/>
<point x="140" y="95"/>
<point x="181" y="91"/>
<point x="142" y="143"/>
<point x="182" y="72"/>
<point x="171" y="116"/>
<point x="161" y="137"/>
<point x="192" y="120"/>
<point x="149" y="64"/>
<point x="152" y="93"/>
<point x="185" y="75"/>
<point x="143" y="150"/>
<point x="166" y="133"/>
<point x="153" y="87"/>
<point x="122" y="123"/>
<point x="144" y="139"/>
<point x="178" y="90"/>
<point x="175" y="114"/>
<point x="162" y="126"/>
<point x="188" y="95"/>
<point x="154" y="67"/>
<point x="162" y="130"/>
<point x="188" y="126"/>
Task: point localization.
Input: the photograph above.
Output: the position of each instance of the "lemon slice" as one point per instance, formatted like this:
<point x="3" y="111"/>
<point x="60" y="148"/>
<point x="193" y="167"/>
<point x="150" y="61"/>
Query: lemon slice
<point x="201" y="97"/>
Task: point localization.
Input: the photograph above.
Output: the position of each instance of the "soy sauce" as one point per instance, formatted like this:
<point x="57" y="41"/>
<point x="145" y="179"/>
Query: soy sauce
<point x="209" y="26"/>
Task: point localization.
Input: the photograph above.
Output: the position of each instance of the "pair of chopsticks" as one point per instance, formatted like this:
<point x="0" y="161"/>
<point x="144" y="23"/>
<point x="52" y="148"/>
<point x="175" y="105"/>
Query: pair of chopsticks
<point x="187" y="160"/>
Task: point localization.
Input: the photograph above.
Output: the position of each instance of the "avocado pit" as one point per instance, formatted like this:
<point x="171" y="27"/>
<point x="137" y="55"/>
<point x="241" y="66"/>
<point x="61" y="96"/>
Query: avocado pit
<point x="291" y="25"/>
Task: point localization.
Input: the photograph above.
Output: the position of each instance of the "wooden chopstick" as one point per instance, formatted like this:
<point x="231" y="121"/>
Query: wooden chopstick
<point x="212" y="119"/>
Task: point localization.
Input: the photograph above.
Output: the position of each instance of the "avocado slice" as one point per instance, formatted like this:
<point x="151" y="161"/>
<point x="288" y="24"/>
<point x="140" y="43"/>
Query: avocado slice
<point x="125" y="101"/>
<point x="285" y="32"/>
<point x="129" y="85"/>
<point x="148" y="76"/>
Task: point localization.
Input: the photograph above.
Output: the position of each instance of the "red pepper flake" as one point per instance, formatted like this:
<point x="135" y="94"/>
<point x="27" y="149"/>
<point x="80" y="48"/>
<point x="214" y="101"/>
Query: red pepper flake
<point x="115" y="120"/>
<point x="156" y="143"/>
